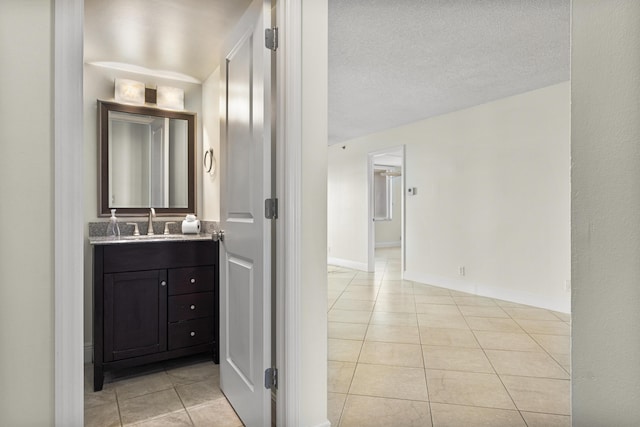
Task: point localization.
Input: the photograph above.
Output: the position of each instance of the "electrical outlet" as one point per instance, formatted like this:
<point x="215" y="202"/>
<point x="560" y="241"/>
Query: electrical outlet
<point x="567" y="285"/>
<point x="461" y="270"/>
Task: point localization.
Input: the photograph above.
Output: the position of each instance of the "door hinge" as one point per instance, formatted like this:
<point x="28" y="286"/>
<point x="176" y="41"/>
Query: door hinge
<point x="271" y="208"/>
<point x="271" y="378"/>
<point x="271" y="38"/>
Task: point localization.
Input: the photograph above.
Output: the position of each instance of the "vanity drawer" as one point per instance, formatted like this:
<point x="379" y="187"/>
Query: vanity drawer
<point x="190" y="333"/>
<point x="157" y="255"/>
<point x="190" y="306"/>
<point x="191" y="279"/>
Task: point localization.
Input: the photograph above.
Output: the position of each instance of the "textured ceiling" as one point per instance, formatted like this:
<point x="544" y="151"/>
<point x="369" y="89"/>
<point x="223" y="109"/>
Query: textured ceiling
<point x="396" y="62"/>
<point x="391" y="62"/>
<point x="178" y="36"/>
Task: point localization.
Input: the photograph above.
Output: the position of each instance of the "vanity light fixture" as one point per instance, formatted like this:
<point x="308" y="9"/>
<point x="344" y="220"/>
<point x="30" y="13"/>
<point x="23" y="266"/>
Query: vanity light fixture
<point x="129" y="91"/>
<point x="391" y="173"/>
<point x="170" y="97"/>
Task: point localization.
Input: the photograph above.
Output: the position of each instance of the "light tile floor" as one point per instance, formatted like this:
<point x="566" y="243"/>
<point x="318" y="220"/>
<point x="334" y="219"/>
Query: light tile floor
<point x="408" y="354"/>
<point x="177" y="393"/>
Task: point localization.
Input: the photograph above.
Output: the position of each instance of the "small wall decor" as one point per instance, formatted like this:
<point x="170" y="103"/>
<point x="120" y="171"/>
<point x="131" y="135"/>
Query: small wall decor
<point x="210" y="162"/>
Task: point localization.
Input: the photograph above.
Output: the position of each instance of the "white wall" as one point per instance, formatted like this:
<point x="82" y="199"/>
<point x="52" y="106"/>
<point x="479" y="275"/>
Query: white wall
<point x="347" y="204"/>
<point x="493" y="196"/>
<point x="99" y="84"/>
<point x="606" y="212"/>
<point x="211" y="139"/>
<point x="26" y="214"/>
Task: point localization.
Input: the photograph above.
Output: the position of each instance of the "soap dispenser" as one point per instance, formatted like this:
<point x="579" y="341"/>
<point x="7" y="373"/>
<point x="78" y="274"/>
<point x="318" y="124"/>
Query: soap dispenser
<point x="113" y="231"/>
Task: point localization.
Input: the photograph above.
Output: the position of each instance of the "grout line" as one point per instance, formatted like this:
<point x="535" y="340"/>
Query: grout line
<point x="540" y="345"/>
<point x="495" y="370"/>
<point x="543" y="348"/>
<point x="181" y="401"/>
<point x="359" y="353"/>
<point x="344" y="403"/>
<point x="355" y="368"/>
<point x="424" y="365"/>
<point x="404" y="400"/>
<point x="115" y="392"/>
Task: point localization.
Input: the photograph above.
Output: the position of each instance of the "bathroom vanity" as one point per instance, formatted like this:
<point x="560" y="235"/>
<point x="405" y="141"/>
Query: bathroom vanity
<point x="153" y="300"/>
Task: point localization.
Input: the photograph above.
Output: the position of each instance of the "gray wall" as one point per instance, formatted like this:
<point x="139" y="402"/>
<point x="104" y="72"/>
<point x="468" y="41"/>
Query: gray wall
<point x="26" y="214"/>
<point x="606" y="212"/>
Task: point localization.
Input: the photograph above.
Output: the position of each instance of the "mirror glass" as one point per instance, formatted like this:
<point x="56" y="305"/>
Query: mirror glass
<point x="147" y="159"/>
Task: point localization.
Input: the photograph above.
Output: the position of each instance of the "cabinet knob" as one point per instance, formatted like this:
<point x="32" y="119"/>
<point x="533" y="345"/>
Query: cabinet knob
<point x="193" y="334"/>
<point x="193" y="307"/>
<point x="163" y="283"/>
<point x="193" y="280"/>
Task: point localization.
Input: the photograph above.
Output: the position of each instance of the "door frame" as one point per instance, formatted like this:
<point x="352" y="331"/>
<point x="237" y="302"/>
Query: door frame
<point x="69" y="214"/>
<point x="288" y="190"/>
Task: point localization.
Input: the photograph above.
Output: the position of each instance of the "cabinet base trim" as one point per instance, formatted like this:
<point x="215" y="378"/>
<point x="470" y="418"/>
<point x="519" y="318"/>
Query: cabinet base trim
<point x="100" y="368"/>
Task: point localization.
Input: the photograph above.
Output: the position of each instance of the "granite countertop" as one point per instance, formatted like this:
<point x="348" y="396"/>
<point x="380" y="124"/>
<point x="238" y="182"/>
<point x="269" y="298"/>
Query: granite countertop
<point x="98" y="231"/>
<point x="103" y="240"/>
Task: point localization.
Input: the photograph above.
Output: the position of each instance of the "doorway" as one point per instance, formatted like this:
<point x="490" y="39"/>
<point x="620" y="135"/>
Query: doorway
<point x="187" y="391"/>
<point x="293" y="335"/>
<point x="386" y="203"/>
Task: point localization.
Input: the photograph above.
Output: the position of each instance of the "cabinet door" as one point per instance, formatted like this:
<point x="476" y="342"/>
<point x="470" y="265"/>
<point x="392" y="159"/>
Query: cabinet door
<point x="135" y="314"/>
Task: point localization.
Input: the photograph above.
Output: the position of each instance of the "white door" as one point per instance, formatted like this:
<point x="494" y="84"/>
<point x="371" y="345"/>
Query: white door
<point x="245" y="252"/>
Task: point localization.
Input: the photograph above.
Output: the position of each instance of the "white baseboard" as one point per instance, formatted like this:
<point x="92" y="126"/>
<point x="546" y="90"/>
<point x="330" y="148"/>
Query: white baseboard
<point x="388" y="244"/>
<point x="339" y="262"/>
<point x="88" y="353"/>
<point x="520" y="297"/>
<point x="326" y="423"/>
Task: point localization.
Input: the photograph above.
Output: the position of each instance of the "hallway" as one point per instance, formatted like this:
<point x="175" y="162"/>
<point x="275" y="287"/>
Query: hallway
<point x="408" y="354"/>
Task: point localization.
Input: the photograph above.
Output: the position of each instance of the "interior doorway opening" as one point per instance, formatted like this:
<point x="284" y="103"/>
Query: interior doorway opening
<point x="386" y="203"/>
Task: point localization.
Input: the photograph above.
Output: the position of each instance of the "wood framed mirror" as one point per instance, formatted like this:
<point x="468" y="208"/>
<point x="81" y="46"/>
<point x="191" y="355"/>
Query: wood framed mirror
<point x="146" y="160"/>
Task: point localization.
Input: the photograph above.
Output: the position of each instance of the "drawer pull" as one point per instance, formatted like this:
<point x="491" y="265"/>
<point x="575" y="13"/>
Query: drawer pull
<point x="193" y="334"/>
<point x="163" y="283"/>
<point x="193" y="280"/>
<point x="193" y="307"/>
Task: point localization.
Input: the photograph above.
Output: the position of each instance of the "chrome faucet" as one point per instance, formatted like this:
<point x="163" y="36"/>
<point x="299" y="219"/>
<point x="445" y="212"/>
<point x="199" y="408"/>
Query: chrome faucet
<point x="152" y="214"/>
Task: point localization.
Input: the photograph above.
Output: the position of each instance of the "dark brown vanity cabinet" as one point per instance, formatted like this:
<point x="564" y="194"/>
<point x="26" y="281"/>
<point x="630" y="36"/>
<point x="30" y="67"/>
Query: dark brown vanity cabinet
<point x="154" y="301"/>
